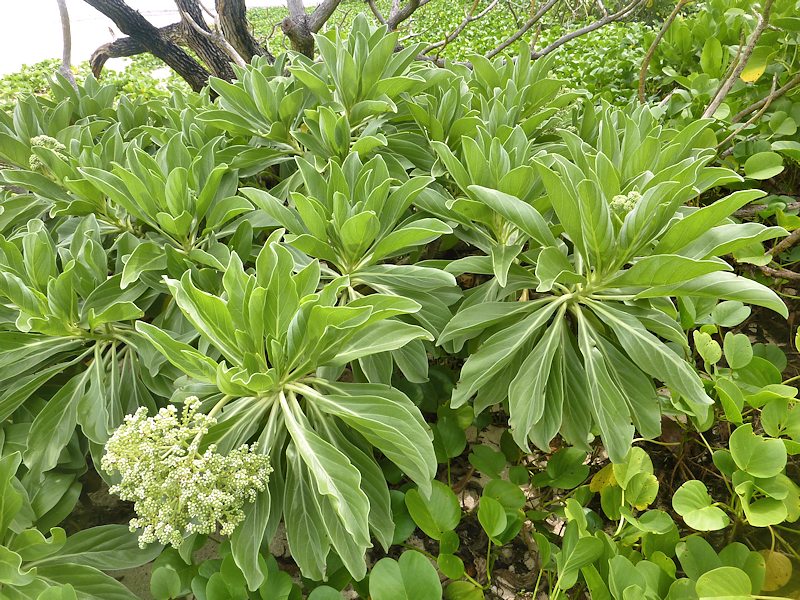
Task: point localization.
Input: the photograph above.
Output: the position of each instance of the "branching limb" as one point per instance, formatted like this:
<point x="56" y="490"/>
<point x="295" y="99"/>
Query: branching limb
<point x="774" y="95"/>
<point x="752" y="119"/>
<point x="652" y="49"/>
<point x="522" y="30"/>
<point x="127" y="46"/>
<point x="140" y="30"/>
<point x="471" y="17"/>
<point x="752" y="211"/>
<point x="214" y="36"/>
<point x="377" y="12"/>
<point x="727" y="83"/>
<point x="624" y="12"/>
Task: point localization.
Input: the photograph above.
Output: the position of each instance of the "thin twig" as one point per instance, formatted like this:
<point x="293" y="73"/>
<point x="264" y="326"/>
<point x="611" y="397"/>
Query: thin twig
<point x="377" y="12"/>
<point x="727" y="83"/>
<point x="786" y="243"/>
<point x="652" y="49"/>
<point x="780" y="273"/>
<point x="791" y="84"/>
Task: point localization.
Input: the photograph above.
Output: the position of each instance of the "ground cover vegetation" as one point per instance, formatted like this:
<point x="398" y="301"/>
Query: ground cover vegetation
<point x="389" y="323"/>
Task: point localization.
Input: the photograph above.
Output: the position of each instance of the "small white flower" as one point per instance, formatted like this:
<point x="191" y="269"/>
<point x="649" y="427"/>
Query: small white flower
<point x="175" y="490"/>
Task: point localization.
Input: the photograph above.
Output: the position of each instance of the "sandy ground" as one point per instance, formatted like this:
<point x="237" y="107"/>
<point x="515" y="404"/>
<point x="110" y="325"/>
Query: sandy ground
<point x="30" y="30"/>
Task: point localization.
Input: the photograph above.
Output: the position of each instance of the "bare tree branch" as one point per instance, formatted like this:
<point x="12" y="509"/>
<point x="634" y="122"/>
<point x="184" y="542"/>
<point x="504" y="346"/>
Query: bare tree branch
<point x="66" y="54"/>
<point x="727" y="83"/>
<point x="469" y="18"/>
<point x="626" y="11"/>
<point x="321" y="14"/>
<point x="376" y="11"/>
<point x="522" y="30"/>
<point x="133" y="24"/>
<point x="128" y="46"/>
<point x="652" y="49"/>
<point x="400" y="14"/>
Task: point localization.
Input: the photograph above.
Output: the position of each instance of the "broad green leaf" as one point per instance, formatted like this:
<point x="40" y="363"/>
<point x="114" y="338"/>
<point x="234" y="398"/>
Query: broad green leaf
<point x="492" y="517"/>
<point x="738" y="350"/>
<point x="410" y="578"/>
<point x="764" y="165"/>
<point x="333" y="475"/>
<point x="388" y="420"/>
<point x="437" y="514"/>
<point x="693" y="503"/>
<point x="756" y="455"/>
<point x="106" y="547"/>
<point x="724" y="583"/>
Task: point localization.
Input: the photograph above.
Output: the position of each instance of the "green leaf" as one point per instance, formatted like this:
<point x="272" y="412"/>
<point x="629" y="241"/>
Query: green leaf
<point x="521" y="214"/>
<point x="106" y="547"/>
<point x="738" y="350"/>
<point x="89" y="583"/>
<point x="333" y="474"/>
<point x="724" y="583"/>
<point x="388" y="420"/>
<point x="182" y="355"/>
<point x="437" y="514"/>
<point x="570" y="562"/>
<point x="11" y="572"/>
<point x="492" y="517"/>
<point x="692" y="502"/>
<point x="764" y="165"/>
<point x="723" y="286"/>
<point x="410" y="578"/>
<point x="54" y="426"/>
<point x="756" y="455"/>
<point x="325" y="592"/>
<point x="147" y="256"/>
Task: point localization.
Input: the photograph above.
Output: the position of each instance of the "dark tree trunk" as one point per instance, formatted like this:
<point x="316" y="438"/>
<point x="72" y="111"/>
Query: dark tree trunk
<point x="233" y="21"/>
<point x="208" y="51"/>
<point x="133" y="24"/>
<point x="129" y="46"/>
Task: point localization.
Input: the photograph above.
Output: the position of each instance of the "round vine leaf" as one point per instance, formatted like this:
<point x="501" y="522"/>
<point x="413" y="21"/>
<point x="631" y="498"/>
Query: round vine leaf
<point x="506" y="493"/>
<point x="707" y="347"/>
<point x="492" y="517"/>
<point x="463" y="590"/>
<point x="756" y="455"/>
<point x="437" y="514"/>
<point x="412" y="577"/>
<point x="693" y="503"/>
<point x="730" y="313"/>
<point x="325" y="592"/>
<point x="449" y="542"/>
<point x="487" y="461"/>
<point x="738" y="350"/>
<point x="642" y="490"/>
<point x="724" y="583"/>
<point x="764" y="165"/>
<point x="778" y="570"/>
<point x="451" y="566"/>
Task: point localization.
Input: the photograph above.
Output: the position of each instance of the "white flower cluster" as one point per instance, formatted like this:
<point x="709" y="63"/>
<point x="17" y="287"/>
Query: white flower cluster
<point x="623" y="204"/>
<point x="45" y="141"/>
<point x="176" y="490"/>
